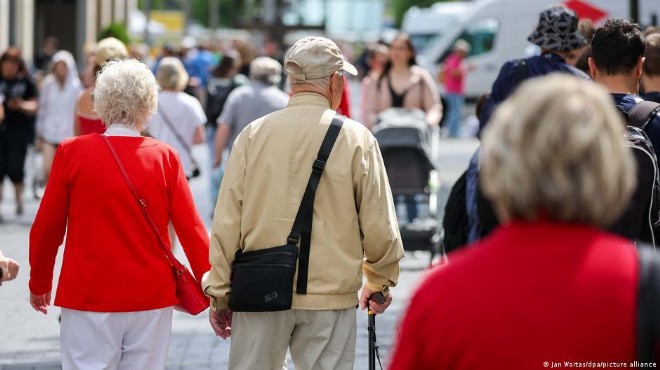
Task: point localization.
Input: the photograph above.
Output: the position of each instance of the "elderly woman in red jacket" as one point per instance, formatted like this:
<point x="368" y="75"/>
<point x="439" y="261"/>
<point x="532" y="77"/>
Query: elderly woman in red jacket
<point x="549" y="285"/>
<point x="116" y="288"/>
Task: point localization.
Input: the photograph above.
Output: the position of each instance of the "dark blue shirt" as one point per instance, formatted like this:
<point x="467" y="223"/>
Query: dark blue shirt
<point x="508" y="79"/>
<point x="652" y="96"/>
<point x="625" y="102"/>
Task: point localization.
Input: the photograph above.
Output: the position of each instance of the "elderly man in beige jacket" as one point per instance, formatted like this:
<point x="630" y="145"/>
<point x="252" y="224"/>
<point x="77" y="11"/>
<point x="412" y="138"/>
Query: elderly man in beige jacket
<point x="354" y="224"/>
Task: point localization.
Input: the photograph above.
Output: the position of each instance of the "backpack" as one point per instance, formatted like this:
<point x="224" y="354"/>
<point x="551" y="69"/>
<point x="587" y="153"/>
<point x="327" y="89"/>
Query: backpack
<point x="217" y="92"/>
<point x="642" y="113"/>
<point x="455" y="221"/>
<point x="638" y="118"/>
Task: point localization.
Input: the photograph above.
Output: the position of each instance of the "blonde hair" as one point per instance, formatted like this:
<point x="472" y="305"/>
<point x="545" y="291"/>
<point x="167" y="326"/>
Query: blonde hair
<point x="557" y="150"/>
<point x="126" y="92"/>
<point x="171" y="74"/>
<point x="109" y="49"/>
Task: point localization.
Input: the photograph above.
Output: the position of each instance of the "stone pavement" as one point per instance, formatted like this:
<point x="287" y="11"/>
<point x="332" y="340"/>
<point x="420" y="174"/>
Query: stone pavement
<point x="30" y="340"/>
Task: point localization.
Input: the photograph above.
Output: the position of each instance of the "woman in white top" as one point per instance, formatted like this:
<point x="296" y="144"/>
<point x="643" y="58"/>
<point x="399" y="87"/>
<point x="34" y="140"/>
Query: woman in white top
<point x="179" y="120"/>
<point x="57" y="104"/>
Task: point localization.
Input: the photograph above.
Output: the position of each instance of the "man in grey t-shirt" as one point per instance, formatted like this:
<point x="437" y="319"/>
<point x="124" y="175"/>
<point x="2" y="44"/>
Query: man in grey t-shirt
<point x="248" y="103"/>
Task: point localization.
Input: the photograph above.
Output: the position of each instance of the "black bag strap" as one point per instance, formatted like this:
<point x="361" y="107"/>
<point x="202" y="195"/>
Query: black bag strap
<point x="302" y="226"/>
<point x="521" y="71"/>
<point x="648" y="304"/>
<point x="642" y="113"/>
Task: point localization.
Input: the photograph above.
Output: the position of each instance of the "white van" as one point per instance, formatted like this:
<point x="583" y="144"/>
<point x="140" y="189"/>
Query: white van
<point x="425" y="25"/>
<point x="497" y="30"/>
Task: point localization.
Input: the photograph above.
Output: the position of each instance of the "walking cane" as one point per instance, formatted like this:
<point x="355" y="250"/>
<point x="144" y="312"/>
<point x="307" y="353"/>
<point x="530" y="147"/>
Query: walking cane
<point x="373" y="348"/>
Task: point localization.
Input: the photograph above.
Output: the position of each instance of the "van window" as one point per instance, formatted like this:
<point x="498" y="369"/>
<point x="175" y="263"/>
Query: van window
<point x="480" y="35"/>
<point x="424" y="31"/>
<point x="421" y="41"/>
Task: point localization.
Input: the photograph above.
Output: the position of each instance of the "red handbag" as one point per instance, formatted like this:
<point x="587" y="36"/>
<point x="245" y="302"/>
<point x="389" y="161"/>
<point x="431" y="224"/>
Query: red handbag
<point x="189" y="292"/>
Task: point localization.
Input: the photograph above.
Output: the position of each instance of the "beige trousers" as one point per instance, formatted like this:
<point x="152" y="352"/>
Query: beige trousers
<point x="318" y="340"/>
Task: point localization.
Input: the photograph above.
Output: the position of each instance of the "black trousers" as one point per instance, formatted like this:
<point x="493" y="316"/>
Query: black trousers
<point x="14" y="142"/>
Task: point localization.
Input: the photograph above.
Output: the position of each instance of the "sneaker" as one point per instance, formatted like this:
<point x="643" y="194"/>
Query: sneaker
<point x="39" y="192"/>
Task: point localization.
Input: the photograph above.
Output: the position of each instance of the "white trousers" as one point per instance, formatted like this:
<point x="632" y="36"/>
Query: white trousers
<point x="317" y="340"/>
<point x="115" y="340"/>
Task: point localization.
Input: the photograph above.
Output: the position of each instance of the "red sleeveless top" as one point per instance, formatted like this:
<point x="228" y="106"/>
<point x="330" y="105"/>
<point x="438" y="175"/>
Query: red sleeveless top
<point x="90" y="124"/>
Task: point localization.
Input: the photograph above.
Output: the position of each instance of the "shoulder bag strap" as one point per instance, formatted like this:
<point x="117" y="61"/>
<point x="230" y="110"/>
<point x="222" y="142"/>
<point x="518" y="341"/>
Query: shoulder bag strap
<point x="178" y="136"/>
<point x="642" y="113"/>
<point x="522" y="70"/>
<point x="143" y="207"/>
<point x="302" y="226"/>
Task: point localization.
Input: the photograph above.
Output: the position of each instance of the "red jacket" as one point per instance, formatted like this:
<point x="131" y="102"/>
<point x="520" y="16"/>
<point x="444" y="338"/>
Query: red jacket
<point x="527" y="295"/>
<point x="112" y="262"/>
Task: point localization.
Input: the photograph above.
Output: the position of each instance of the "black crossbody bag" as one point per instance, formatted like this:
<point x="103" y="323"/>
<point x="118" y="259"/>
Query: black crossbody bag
<point x="262" y="281"/>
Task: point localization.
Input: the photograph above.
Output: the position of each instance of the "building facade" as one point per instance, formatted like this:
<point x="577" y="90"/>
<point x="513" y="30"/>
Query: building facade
<point x="27" y="23"/>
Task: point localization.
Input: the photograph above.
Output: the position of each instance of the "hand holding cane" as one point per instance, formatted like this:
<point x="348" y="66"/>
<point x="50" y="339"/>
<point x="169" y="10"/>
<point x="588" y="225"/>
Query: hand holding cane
<point x="373" y="348"/>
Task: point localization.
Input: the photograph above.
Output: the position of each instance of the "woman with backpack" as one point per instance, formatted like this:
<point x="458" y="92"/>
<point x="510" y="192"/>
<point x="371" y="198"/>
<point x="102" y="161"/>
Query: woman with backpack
<point x="225" y="77"/>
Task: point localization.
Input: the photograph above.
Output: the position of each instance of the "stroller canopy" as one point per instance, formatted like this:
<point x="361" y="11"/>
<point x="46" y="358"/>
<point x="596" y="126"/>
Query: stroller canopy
<point x="399" y="128"/>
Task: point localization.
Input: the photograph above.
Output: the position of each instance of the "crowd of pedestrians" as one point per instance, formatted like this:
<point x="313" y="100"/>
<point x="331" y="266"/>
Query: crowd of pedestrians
<point x="547" y="224"/>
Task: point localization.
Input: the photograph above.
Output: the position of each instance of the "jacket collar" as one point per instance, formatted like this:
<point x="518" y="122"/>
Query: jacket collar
<point x="308" y="98"/>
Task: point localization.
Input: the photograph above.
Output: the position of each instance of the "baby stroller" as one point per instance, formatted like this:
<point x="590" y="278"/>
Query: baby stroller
<point x="409" y="146"/>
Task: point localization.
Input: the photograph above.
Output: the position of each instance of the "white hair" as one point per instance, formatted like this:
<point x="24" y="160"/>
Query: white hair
<point x="126" y="92"/>
<point x="317" y="83"/>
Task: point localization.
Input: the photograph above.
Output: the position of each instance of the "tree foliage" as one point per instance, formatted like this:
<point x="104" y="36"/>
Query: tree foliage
<point x="230" y="11"/>
<point x="116" y="30"/>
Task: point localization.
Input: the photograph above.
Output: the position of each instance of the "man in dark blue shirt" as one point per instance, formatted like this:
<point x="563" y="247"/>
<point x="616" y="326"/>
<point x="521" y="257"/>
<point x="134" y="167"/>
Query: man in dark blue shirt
<point x="558" y="37"/>
<point x="616" y="63"/>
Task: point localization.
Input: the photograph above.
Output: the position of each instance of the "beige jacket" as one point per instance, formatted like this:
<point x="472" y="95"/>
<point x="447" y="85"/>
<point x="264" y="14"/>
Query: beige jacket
<point x="421" y="94"/>
<point x="354" y="230"/>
